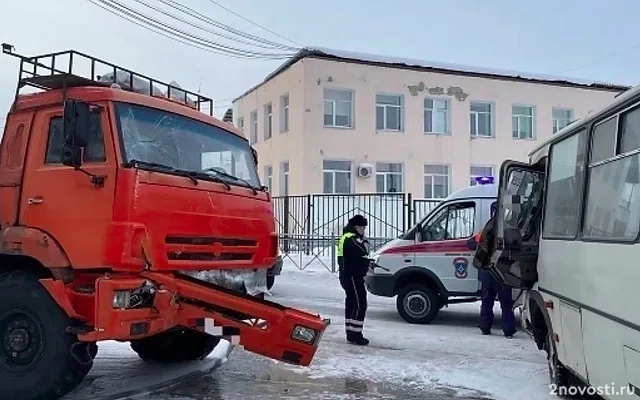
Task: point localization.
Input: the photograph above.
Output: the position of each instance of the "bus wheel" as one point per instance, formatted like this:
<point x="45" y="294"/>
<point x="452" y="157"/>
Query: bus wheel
<point x="176" y="345"/>
<point x="418" y="304"/>
<point x="40" y="359"/>
<point x="559" y="376"/>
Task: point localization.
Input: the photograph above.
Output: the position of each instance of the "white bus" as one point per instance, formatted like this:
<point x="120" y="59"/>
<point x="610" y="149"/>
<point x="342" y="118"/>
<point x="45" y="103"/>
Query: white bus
<point x="568" y="233"/>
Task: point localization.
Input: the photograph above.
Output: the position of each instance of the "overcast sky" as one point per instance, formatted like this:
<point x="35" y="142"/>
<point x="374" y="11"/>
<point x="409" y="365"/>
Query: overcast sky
<point x="579" y="38"/>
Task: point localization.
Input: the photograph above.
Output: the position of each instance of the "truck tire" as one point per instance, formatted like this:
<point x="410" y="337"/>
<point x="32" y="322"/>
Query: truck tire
<point x="175" y="346"/>
<point x="418" y="304"/>
<point x="271" y="279"/>
<point x="41" y="361"/>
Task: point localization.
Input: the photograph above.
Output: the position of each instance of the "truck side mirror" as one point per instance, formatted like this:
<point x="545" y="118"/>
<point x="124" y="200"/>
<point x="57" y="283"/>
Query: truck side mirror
<point x="75" y="128"/>
<point x="72" y="156"/>
<point x="254" y="152"/>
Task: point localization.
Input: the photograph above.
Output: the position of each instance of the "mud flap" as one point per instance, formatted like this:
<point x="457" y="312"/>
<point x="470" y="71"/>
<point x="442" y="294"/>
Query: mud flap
<point x="266" y="328"/>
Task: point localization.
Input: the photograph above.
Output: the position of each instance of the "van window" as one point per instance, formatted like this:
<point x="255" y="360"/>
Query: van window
<point x="455" y="221"/>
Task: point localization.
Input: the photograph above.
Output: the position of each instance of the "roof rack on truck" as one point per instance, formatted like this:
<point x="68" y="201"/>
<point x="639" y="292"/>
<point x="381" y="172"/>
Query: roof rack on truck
<point x="63" y="70"/>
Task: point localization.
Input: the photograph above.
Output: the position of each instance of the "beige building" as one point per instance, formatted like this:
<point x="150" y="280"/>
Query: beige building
<point x="331" y="121"/>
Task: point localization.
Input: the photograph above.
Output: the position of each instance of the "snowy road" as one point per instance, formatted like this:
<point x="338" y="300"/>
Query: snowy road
<point x="447" y="359"/>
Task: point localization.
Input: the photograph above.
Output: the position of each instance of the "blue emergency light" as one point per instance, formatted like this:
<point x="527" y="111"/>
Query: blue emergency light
<point x="484" y="180"/>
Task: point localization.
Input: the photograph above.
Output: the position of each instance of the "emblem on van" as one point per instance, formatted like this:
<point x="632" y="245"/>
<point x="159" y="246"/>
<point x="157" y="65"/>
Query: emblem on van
<point x="460" y="264"/>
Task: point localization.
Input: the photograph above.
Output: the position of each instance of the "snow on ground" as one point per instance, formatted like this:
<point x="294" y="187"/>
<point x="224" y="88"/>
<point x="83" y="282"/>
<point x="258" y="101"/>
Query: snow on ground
<point x="449" y="352"/>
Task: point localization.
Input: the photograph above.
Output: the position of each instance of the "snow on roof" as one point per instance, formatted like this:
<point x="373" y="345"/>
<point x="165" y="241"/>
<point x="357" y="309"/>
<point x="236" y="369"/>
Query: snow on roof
<point x="433" y="66"/>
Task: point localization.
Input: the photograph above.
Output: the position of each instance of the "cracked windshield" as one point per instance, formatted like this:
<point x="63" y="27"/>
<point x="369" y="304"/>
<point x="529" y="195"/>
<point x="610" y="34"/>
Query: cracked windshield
<point x="346" y="200"/>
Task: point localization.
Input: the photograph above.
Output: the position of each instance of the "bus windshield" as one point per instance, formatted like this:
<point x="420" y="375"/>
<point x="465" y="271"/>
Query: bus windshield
<point x="154" y="136"/>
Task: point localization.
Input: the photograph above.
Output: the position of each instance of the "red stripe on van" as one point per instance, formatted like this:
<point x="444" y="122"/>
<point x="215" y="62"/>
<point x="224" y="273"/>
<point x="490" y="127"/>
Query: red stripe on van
<point x="446" y="246"/>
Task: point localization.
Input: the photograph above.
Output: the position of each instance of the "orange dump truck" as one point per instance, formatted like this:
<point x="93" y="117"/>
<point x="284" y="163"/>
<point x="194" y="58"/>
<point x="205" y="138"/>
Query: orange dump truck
<point x="128" y="213"/>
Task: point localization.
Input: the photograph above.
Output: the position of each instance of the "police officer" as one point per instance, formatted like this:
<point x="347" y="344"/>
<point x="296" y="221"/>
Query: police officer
<point x="353" y="266"/>
<point x="490" y="285"/>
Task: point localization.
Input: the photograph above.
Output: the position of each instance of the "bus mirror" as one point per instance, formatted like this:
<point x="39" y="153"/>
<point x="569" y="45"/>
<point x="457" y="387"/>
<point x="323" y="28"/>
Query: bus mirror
<point x="75" y="123"/>
<point x="72" y="156"/>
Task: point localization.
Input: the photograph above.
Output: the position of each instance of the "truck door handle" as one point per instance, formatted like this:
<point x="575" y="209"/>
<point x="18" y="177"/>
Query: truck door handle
<point x="35" y="200"/>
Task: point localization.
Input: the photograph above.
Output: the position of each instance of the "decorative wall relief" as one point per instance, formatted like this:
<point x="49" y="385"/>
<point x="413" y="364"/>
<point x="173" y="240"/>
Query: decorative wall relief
<point x="453" y="91"/>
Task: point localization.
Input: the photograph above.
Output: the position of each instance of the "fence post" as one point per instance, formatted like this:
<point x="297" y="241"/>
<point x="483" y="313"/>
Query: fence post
<point x="285" y="224"/>
<point x="308" y="225"/>
<point x="333" y="251"/>
<point x="410" y="210"/>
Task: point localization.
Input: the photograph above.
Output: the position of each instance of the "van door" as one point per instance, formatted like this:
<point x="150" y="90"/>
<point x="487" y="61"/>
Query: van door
<point x="520" y="196"/>
<point x="442" y="246"/>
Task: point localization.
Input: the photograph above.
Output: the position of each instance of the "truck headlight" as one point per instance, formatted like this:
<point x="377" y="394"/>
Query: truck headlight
<point x="303" y="334"/>
<point x="122" y="299"/>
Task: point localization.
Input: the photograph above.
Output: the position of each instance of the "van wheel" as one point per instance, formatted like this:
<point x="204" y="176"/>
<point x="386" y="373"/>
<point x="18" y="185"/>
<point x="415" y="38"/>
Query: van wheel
<point x="174" y="346"/>
<point x="40" y="359"/>
<point x="418" y="304"/>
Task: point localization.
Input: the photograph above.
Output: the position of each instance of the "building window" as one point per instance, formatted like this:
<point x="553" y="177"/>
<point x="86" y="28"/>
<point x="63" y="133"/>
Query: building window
<point x="241" y="124"/>
<point x="336" y="176"/>
<point x="388" y="112"/>
<point x="253" y="135"/>
<point x="561" y="118"/>
<point x="613" y="198"/>
<point x="268" y="121"/>
<point x="436" y="181"/>
<point x="268" y="177"/>
<point x="477" y="171"/>
<point x="522" y="122"/>
<point x="564" y="188"/>
<point x="284" y="178"/>
<point x="338" y="108"/>
<point x="436" y="116"/>
<point x="481" y="115"/>
<point x="389" y="177"/>
<point x="284" y="113"/>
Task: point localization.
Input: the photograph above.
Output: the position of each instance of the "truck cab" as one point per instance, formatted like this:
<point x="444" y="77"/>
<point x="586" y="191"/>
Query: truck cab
<point x="429" y="267"/>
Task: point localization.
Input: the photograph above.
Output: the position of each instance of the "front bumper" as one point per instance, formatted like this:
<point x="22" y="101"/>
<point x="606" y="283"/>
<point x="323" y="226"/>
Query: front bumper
<point x="380" y="285"/>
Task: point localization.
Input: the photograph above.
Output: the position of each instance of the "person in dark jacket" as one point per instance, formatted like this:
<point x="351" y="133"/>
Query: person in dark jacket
<point x="353" y="265"/>
<point x="490" y="285"/>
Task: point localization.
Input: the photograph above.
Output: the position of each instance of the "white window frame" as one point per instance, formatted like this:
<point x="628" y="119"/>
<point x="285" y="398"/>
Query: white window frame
<point x="434" y="111"/>
<point x="431" y="175"/>
<point x="284" y="113"/>
<point x="386" y="173"/>
<point x="385" y="107"/>
<point x="333" y="102"/>
<point x="283" y="187"/>
<point x="556" y="122"/>
<point x="268" y="177"/>
<point x="240" y="123"/>
<point x="268" y="121"/>
<point x="333" y="174"/>
<point x="521" y="116"/>
<point x="253" y="134"/>
<point x="473" y="176"/>
<point x="476" y="119"/>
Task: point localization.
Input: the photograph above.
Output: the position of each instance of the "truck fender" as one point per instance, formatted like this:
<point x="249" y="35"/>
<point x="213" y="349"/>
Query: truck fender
<point x="34" y="243"/>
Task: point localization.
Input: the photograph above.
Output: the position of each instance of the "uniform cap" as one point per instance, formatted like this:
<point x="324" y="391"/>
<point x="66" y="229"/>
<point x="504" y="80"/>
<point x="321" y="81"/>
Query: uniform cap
<point x="358" y="220"/>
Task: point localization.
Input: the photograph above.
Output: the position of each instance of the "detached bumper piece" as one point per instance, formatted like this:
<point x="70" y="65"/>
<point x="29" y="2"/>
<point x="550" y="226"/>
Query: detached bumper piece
<point x="263" y="327"/>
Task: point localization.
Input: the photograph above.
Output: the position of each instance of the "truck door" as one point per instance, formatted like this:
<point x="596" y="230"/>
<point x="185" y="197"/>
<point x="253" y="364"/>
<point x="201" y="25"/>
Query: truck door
<point x="63" y="202"/>
<point x="520" y="196"/>
<point x="442" y="246"/>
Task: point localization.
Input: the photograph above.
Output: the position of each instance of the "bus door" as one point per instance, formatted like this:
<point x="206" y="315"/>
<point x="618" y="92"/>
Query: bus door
<point x="520" y="195"/>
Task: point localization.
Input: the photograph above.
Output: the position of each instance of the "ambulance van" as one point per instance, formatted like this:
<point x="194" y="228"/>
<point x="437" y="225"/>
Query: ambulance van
<point x="430" y="266"/>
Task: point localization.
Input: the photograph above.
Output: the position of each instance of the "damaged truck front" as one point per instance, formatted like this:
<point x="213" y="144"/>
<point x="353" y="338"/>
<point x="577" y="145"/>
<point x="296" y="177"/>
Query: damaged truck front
<point x="127" y="213"/>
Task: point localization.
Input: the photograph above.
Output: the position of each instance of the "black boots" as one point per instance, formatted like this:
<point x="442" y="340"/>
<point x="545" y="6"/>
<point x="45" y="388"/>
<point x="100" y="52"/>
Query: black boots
<point x="357" y="339"/>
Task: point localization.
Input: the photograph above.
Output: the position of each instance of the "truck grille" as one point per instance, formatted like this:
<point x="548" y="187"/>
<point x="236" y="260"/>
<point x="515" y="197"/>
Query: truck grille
<point x="209" y="248"/>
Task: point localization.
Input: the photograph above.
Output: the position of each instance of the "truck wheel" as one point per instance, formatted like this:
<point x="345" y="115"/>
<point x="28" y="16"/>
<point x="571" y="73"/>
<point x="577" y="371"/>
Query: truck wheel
<point x="174" y="346"/>
<point x="40" y="361"/>
<point x="271" y="279"/>
<point x="417" y="304"/>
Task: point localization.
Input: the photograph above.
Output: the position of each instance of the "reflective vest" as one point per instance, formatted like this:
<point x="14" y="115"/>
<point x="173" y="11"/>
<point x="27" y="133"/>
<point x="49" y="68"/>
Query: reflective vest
<point x="341" y="242"/>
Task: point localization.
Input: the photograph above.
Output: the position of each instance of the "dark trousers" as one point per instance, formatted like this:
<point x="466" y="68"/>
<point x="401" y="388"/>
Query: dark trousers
<point x="355" y="304"/>
<point x="490" y="290"/>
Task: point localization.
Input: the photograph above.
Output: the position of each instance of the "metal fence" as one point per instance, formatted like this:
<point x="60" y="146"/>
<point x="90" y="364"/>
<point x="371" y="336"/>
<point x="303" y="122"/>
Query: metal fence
<point x="310" y="225"/>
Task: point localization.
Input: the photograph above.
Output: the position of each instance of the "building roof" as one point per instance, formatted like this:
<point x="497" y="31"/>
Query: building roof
<point x="437" y="67"/>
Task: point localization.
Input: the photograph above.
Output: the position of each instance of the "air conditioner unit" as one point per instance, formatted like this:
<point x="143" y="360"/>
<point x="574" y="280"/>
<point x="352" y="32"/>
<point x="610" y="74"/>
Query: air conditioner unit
<point x="365" y="170"/>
